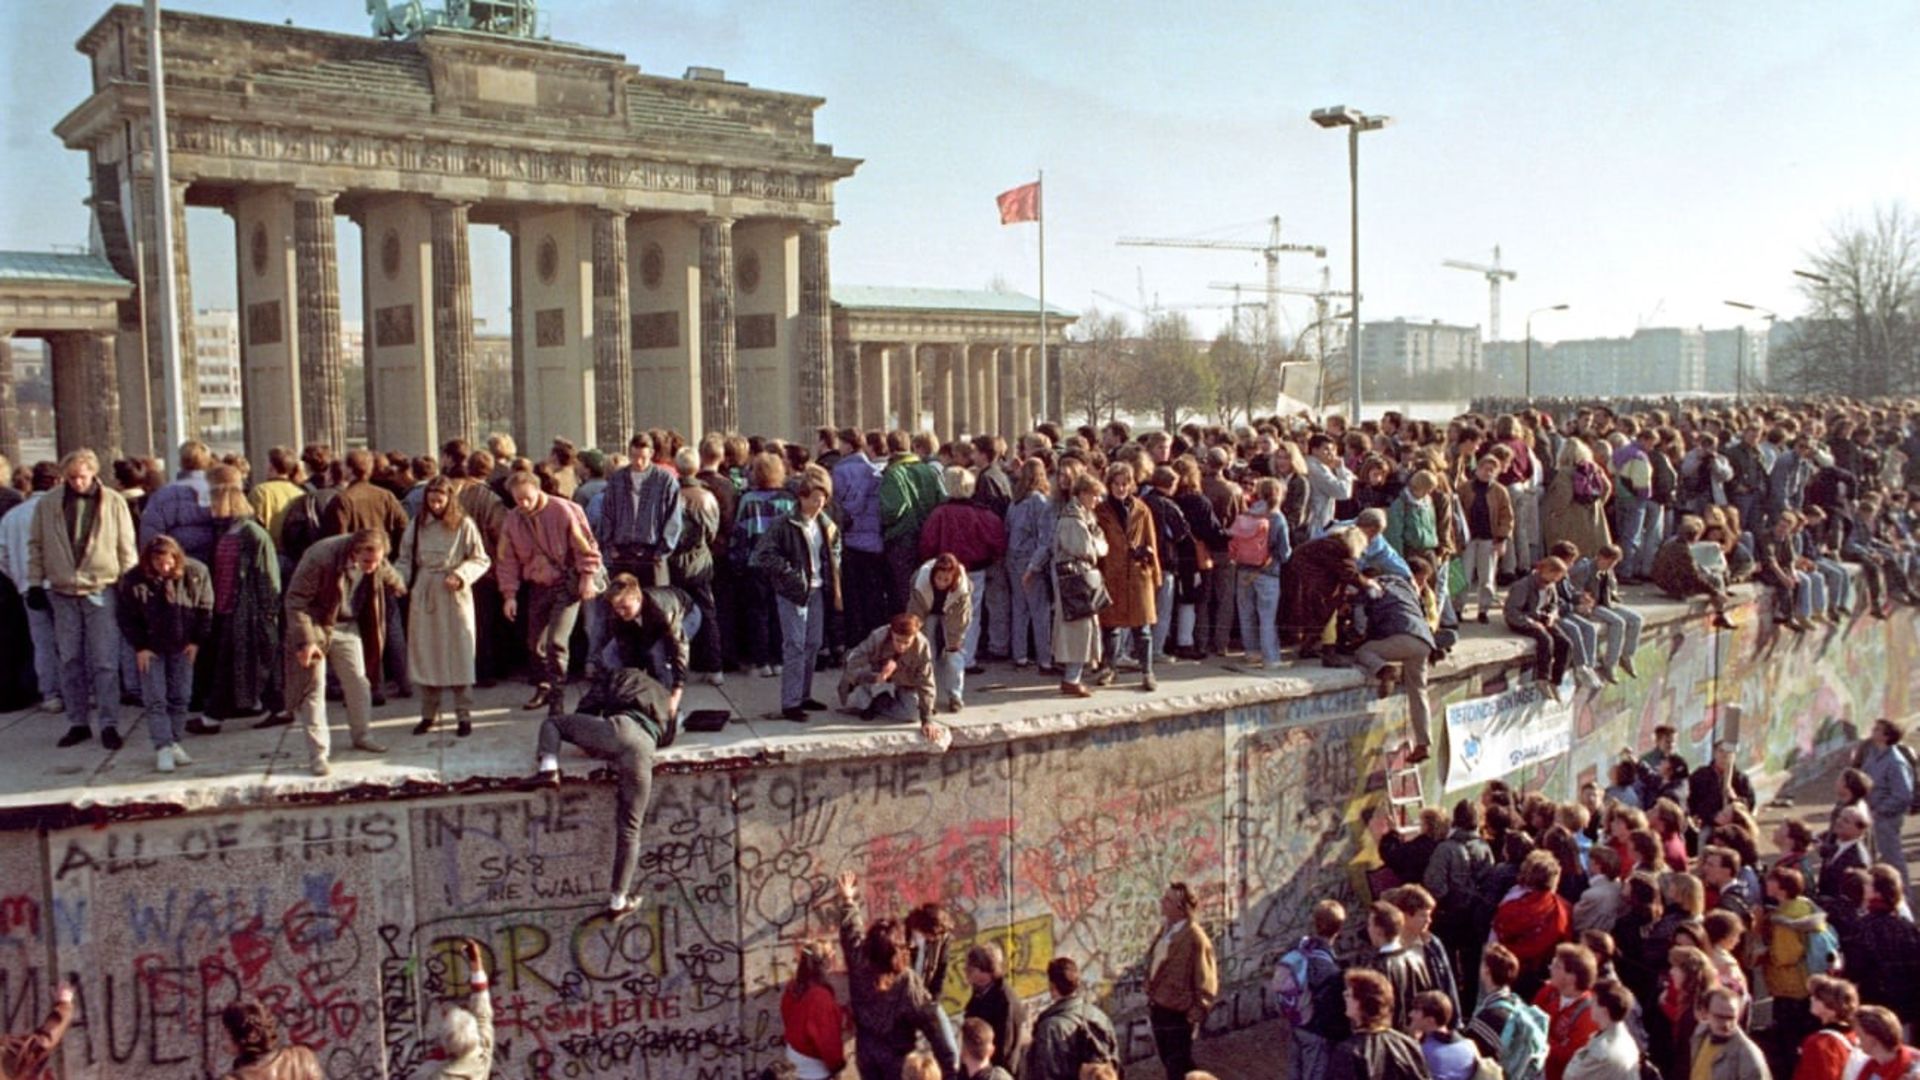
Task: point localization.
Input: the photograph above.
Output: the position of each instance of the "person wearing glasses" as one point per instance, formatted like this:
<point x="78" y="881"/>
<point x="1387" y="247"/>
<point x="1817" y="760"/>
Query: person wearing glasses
<point x="1720" y="1049"/>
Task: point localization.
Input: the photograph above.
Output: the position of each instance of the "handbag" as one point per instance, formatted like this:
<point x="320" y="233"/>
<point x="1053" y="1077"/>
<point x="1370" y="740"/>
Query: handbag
<point x="1083" y="591"/>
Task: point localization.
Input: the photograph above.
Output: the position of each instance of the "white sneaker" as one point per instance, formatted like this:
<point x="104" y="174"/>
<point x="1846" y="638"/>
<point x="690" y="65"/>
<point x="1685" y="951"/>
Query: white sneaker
<point x="55" y="706"/>
<point x="180" y="755"/>
<point x="164" y="759"/>
<point x="716" y="678"/>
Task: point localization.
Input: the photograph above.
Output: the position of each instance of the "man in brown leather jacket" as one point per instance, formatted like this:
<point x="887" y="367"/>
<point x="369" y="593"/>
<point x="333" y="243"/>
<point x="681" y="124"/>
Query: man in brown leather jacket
<point x="1182" y="980"/>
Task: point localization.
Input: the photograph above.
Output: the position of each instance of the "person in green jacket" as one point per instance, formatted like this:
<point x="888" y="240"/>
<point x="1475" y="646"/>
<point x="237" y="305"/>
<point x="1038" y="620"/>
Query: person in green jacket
<point x="908" y="494"/>
<point x="1411" y="529"/>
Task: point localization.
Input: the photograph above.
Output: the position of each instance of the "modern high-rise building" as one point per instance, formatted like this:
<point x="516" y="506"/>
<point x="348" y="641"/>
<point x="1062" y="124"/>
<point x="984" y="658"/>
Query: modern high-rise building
<point x="1421" y="360"/>
<point x="216" y="349"/>
<point x="1736" y="360"/>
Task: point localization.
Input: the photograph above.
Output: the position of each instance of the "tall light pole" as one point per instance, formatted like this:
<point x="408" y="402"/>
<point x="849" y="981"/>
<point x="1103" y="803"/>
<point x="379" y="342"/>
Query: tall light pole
<point x="1530" y="315"/>
<point x="1740" y="356"/>
<point x="172" y="388"/>
<point x="1355" y="122"/>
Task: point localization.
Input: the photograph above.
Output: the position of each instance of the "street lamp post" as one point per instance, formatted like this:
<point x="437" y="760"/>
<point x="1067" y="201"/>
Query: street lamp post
<point x="1530" y="315"/>
<point x="1355" y="122"/>
<point x="1740" y="356"/>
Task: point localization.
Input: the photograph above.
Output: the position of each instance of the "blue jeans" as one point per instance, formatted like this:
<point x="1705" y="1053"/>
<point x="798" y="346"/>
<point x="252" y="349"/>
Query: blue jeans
<point x="1033" y="610"/>
<point x="1653" y="529"/>
<point x="1163" y="607"/>
<point x="46" y="654"/>
<point x="950" y="675"/>
<point x="1259" y="600"/>
<point x="89" y="644"/>
<point x="1585" y="637"/>
<point x="1630" y="515"/>
<point x="886" y="702"/>
<point x="1839" y="585"/>
<point x="1623" y="632"/>
<point x="165" y="688"/>
<point x="802" y="630"/>
<point x="970" y="647"/>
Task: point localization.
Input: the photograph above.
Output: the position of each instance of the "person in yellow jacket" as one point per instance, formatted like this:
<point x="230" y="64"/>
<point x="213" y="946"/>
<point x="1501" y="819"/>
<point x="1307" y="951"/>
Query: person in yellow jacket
<point x="1781" y="930"/>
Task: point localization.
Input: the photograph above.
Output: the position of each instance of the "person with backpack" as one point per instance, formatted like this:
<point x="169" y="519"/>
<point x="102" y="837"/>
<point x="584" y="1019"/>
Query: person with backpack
<point x="1831" y="1051"/>
<point x="1259" y="544"/>
<point x="1890" y="765"/>
<point x="1307" y="988"/>
<point x="1460" y="862"/>
<point x="1449" y="1056"/>
<point x="1071" y="1031"/>
<point x="1505" y="1027"/>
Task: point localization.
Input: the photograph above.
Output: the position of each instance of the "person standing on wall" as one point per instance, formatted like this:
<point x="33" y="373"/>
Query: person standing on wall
<point x="336" y="614"/>
<point x="800" y="557"/>
<point x="1182" y="980"/>
<point x="545" y="543"/>
<point x="81" y="543"/>
<point x="441" y="556"/>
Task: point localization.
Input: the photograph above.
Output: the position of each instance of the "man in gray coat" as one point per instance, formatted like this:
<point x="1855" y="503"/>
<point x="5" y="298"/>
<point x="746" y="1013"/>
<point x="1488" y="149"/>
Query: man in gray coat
<point x="1885" y="761"/>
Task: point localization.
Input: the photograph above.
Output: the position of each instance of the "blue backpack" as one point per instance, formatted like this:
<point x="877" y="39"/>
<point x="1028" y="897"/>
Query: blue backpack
<point x="1290" y="980"/>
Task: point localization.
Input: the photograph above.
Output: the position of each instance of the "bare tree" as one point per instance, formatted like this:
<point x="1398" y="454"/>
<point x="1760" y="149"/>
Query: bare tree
<point x="1092" y="364"/>
<point x="1169" y="376"/>
<point x="1862" y="337"/>
<point x="1246" y="370"/>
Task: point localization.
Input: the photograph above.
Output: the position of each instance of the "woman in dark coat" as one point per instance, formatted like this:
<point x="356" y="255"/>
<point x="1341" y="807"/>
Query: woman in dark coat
<point x="246" y="608"/>
<point x="1314" y="584"/>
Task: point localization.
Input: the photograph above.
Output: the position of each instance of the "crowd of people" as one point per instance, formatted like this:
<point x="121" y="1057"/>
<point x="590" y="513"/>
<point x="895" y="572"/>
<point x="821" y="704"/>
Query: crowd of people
<point x="1625" y="934"/>
<point x="1079" y="554"/>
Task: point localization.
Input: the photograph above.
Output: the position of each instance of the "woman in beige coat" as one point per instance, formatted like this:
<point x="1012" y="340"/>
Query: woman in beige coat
<point x="1569" y="518"/>
<point x="440" y="557"/>
<point x="1078" y="545"/>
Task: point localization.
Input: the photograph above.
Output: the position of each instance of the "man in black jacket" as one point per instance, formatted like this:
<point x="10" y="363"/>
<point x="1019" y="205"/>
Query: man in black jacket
<point x="1376" y="1051"/>
<point x="1071" y="1031"/>
<point x="1404" y="969"/>
<point x="997" y="1007"/>
<point x="623" y="719"/>
<point x="1397" y="632"/>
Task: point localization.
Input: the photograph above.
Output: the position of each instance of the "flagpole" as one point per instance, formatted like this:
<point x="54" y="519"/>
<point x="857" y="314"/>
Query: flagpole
<point x="1040" y="205"/>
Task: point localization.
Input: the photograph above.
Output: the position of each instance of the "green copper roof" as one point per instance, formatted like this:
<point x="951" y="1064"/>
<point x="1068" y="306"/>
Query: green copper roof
<point x="53" y="266"/>
<point x="978" y="301"/>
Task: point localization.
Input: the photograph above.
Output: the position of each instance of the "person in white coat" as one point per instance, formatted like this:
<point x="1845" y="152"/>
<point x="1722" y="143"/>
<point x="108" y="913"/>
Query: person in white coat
<point x="441" y="555"/>
<point x="1611" y="1054"/>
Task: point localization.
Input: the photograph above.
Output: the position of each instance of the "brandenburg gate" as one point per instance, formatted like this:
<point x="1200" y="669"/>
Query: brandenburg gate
<point x="669" y="236"/>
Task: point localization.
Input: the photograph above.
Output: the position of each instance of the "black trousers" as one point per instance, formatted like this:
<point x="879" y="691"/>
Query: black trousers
<point x="629" y="747"/>
<point x="1173" y="1037"/>
<point x="1551" y="647"/>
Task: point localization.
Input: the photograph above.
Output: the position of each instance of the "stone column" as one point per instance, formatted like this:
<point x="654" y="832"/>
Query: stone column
<point x="456" y="397"/>
<point x="317" y="281"/>
<point x="816" y="383"/>
<point x="9" y="410"/>
<point x="1008" y="390"/>
<point x="962" y="390"/>
<point x="86" y="397"/>
<point x="876" y="387"/>
<point x="516" y="319"/>
<point x="719" y="382"/>
<point x="1023" y="395"/>
<point x="909" y="385"/>
<point x="612" y="358"/>
<point x="987" y="388"/>
<point x="943" y="428"/>
<point x="847" y="408"/>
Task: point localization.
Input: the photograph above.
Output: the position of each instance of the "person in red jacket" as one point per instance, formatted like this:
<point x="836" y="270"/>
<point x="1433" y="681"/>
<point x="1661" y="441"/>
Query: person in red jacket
<point x="1567" y="999"/>
<point x="815" y="1027"/>
<point x="1534" y="919"/>
<point x="1824" y="1055"/>
<point x="1887" y="1057"/>
<point x="975" y="535"/>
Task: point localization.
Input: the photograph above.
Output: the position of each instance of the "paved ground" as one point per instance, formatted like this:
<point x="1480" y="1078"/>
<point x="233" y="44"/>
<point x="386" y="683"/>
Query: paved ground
<point x="1264" y="1052"/>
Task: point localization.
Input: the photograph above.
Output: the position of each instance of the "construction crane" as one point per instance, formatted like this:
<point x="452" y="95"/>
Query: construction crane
<point x="1271" y="251"/>
<point x="1323" y="318"/>
<point x="1495" y="273"/>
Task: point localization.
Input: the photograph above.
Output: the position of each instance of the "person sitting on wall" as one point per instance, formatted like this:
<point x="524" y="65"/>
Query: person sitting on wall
<point x="623" y="719"/>
<point x="1679" y="573"/>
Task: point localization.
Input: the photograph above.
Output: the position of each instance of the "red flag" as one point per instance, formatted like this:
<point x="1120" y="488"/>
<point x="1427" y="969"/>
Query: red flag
<point x="1020" y="204"/>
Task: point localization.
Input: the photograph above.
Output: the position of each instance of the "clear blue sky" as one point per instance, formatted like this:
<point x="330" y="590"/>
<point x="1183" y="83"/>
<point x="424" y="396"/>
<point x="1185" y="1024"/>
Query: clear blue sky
<point x="1639" y="161"/>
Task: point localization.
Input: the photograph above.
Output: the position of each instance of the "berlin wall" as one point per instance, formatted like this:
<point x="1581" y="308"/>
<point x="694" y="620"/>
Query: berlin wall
<point x="347" y="917"/>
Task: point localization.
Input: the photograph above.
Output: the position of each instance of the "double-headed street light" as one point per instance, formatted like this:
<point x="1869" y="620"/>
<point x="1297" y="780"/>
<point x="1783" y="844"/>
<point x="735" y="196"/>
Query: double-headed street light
<point x="1740" y="355"/>
<point x="1355" y="122"/>
<point x="1530" y="315"/>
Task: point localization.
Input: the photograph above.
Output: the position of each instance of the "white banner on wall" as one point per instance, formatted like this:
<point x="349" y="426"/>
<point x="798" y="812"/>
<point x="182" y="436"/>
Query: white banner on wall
<point x="1489" y="737"/>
